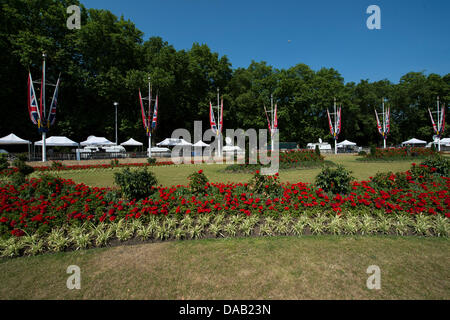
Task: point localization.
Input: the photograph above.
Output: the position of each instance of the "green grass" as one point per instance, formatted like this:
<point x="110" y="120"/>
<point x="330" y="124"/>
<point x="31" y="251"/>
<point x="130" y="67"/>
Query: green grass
<point x="313" y="267"/>
<point x="175" y="175"/>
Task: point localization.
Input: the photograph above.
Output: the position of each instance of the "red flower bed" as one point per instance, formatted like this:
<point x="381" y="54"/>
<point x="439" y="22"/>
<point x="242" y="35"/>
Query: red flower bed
<point x="41" y="205"/>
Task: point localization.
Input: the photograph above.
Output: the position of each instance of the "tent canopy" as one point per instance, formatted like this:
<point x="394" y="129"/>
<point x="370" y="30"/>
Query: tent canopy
<point x="346" y="143"/>
<point x="173" y="142"/>
<point x="132" y="143"/>
<point x="13" y="139"/>
<point x="97" y="141"/>
<point x="414" y="141"/>
<point x="201" y="144"/>
<point x="57" y="142"/>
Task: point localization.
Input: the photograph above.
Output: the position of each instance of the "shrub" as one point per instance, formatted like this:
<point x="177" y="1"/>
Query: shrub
<point x="317" y="151"/>
<point x="198" y="182"/>
<point x="373" y="150"/>
<point x="438" y="165"/>
<point x="3" y="162"/>
<point x="56" y="165"/>
<point x="137" y="184"/>
<point x="151" y="160"/>
<point x="334" y="180"/>
<point x="23" y="170"/>
<point x="362" y="153"/>
<point x="264" y="185"/>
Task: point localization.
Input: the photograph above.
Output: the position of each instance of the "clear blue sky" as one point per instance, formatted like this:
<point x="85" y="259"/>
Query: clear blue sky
<point x="415" y="34"/>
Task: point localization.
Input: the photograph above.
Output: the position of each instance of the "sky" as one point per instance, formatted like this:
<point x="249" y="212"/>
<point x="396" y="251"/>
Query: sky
<point x="414" y="34"/>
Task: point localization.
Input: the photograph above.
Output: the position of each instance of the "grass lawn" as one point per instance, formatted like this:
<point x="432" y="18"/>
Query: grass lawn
<point x="175" y="175"/>
<point x="313" y="267"/>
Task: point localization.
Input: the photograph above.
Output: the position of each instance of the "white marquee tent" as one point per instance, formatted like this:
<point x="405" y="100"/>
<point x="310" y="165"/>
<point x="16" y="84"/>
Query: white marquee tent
<point x="346" y="143"/>
<point x="201" y="144"/>
<point x="414" y="142"/>
<point x="12" y="139"/>
<point x="97" y="141"/>
<point x="169" y="142"/>
<point x="132" y="143"/>
<point x="57" y="142"/>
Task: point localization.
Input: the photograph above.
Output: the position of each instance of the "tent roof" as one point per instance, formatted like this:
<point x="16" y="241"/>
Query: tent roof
<point x="132" y="142"/>
<point x="57" y="142"/>
<point x="97" y="141"/>
<point x="415" y="141"/>
<point x="13" y="139"/>
<point x="346" y="143"/>
<point x="169" y="142"/>
<point x="201" y="144"/>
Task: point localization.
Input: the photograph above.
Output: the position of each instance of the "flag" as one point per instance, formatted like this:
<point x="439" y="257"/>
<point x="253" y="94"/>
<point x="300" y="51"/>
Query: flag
<point x="155" y="115"/>
<point x="221" y="116"/>
<point x="388" y="120"/>
<point x="338" y="129"/>
<point x="268" y="120"/>
<point x="330" y="124"/>
<point x="442" y="128"/>
<point x="52" y="114"/>
<point x="275" y="120"/>
<point x="435" y="128"/>
<point x="212" y="120"/>
<point x="32" y="102"/>
<point x="144" y="121"/>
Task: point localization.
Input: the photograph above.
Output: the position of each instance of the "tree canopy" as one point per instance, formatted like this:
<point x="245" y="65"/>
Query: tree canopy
<point x="108" y="60"/>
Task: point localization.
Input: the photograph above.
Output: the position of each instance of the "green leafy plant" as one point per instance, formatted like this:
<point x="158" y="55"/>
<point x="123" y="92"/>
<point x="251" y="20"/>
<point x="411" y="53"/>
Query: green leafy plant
<point x="265" y="185"/>
<point x="198" y="182"/>
<point x="441" y="226"/>
<point x="334" y="180"/>
<point x="57" y="241"/>
<point x="438" y="165"/>
<point x="4" y="164"/>
<point x="137" y="184"/>
<point x="151" y="161"/>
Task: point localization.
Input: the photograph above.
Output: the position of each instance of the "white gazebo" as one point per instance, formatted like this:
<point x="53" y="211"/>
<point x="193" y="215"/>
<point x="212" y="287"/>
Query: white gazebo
<point x="346" y="143"/>
<point x="169" y="142"/>
<point x="415" y="142"/>
<point x="97" y="141"/>
<point x="57" y="142"/>
<point x="12" y="139"/>
<point x="132" y="143"/>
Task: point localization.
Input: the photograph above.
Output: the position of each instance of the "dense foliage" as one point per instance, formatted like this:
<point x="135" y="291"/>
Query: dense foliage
<point x="394" y="154"/>
<point x="136" y="184"/>
<point x="336" y="180"/>
<point x="108" y="60"/>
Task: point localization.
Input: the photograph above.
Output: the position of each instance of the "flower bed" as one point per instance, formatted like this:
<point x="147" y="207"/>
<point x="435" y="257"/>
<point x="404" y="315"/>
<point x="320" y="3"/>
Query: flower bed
<point x="52" y="214"/>
<point x="405" y="153"/>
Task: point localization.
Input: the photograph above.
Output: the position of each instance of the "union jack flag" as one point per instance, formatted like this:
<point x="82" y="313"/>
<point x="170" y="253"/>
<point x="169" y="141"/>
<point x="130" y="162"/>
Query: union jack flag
<point x="212" y="120"/>
<point x="33" y="109"/>
<point x="52" y="114"/>
<point x="155" y="115"/>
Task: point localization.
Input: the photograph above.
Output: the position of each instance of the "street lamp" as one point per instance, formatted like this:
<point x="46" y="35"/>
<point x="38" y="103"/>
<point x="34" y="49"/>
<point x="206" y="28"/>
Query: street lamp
<point x="116" y="104"/>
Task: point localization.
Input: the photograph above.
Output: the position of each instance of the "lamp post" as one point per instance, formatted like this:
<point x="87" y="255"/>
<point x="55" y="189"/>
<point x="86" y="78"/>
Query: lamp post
<point x="116" y="104"/>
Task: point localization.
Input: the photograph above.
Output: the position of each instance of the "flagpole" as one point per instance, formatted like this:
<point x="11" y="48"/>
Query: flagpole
<point x="44" y="146"/>
<point x="149" y="115"/>
<point x="335" y="127"/>
<point x="219" y="127"/>
<point x="439" y="125"/>
<point x="272" y="126"/>
<point x="384" y="124"/>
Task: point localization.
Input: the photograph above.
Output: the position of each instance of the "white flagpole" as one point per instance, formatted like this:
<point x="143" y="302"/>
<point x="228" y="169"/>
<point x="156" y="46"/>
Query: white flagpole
<point x="149" y="117"/>
<point x="219" y="128"/>
<point x="439" y="125"/>
<point x="44" y="146"/>
<point x="272" y="125"/>
<point x="384" y="125"/>
<point x="335" y="127"/>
